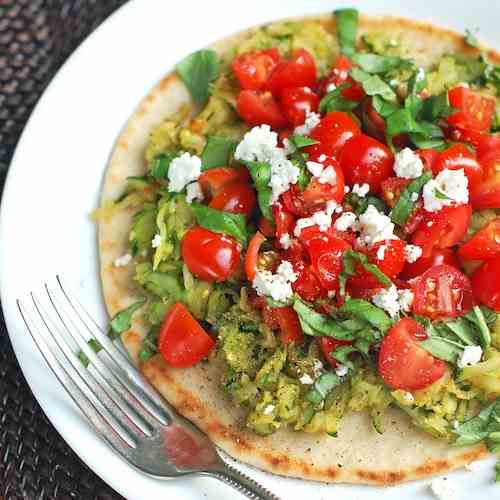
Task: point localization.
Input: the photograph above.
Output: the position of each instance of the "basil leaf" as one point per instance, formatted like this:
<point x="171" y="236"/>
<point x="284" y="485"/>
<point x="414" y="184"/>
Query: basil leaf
<point x="95" y="346"/>
<point x="360" y="204"/>
<point x="417" y="82"/>
<point x="122" y="321"/>
<point x="149" y="344"/>
<point x="347" y="29"/>
<point x="373" y="84"/>
<point x="367" y="312"/>
<point x="442" y="348"/>
<point x="400" y="122"/>
<point x="261" y="175"/>
<point x="463" y="330"/>
<point x="301" y="141"/>
<point x="221" y="222"/>
<point x="351" y="255"/>
<point x="217" y="152"/>
<point x="471" y="39"/>
<point x="264" y="201"/>
<point x="405" y="205"/>
<point x="335" y="101"/>
<point x="477" y="428"/>
<point x="341" y="353"/>
<point x="299" y="160"/>
<point x="158" y="166"/>
<point x="374" y="63"/>
<point x="323" y="385"/>
<point x="197" y="71"/>
<point x="422" y="142"/>
<point x="479" y="320"/>
<point x="382" y="107"/>
<point x="436" y="107"/>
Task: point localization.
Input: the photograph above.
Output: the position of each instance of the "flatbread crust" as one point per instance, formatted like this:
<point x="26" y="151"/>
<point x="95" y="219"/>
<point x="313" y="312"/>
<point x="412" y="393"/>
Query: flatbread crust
<point x="358" y="454"/>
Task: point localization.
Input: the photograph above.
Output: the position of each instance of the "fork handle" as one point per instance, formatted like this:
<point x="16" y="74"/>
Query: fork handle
<point x="243" y="484"/>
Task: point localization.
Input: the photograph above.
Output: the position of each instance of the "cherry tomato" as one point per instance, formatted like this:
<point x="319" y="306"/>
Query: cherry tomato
<point x="307" y="285"/>
<point x="287" y="318"/>
<point x="266" y="228"/>
<point x="236" y="198"/>
<point x="328" y="345"/>
<point x="476" y="111"/>
<point x="366" y="160"/>
<point x="442" y="229"/>
<point x="459" y="157"/>
<point x="340" y="75"/>
<point x="252" y="69"/>
<point x="458" y="134"/>
<point x="487" y="193"/>
<point x="402" y="363"/>
<point x="485" y="244"/>
<point x="212" y="181"/>
<point x="285" y="221"/>
<point x="332" y="132"/>
<point x="270" y="319"/>
<point x="210" y="256"/>
<point x="392" y="189"/>
<point x="182" y="342"/>
<point x="415" y="219"/>
<point x="299" y="71"/>
<point x="296" y="102"/>
<point x="442" y="292"/>
<point x="293" y="201"/>
<point x="260" y="107"/>
<point x="252" y="255"/>
<point x="487" y="144"/>
<point x="438" y="256"/>
<point x="486" y="283"/>
<point x="428" y="157"/>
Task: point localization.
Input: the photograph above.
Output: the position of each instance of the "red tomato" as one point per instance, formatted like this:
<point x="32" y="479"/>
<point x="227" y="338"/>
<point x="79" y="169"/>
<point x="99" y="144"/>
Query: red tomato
<point x="459" y="157"/>
<point x="307" y="284"/>
<point x="210" y="256"/>
<point x="476" y="111"/>
<point x="442" y="229"/>
<point x="287" y="318"/>
<point x="442" y="291"/>
<point x="212" y="181"/>
<point x="485" y="244"/>
<point x="296" y="102"/>
<point x="237" y="198"/>
<point x="328" y="345"/>
<point x="487" y="144"/>
<point x="182" y="342"/>
<point x="293" y="201"/>
<point x="266" y="228"/>
<point x="340" y="75"/>
<point x="252" y="69"/>
<point x="486" y="283"/>
<point x="260" y="107"/>
<point x="458" y="134"/>
<point x="252" y="255"/>
<point x="332" y="132"/>
<point x="487" y="193"/>
<point x="267" y="313"/>
<point x="285" y="221"/>
<point x="300" y="71"/>
<point x="415" y="219"/>
<point x="438" y="256"/>
<point x="392" y="189"/>
<point x="428" y="157"/>
<point x="366" y="160"/>
<point x="402" y="363"/>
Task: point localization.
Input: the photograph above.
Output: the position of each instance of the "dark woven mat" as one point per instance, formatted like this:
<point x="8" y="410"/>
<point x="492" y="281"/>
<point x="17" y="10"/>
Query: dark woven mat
<point x="36" y="36"/>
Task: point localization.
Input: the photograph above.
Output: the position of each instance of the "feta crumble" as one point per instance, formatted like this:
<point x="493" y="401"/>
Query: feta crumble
<point x="194" y="192"/>
<point x="443" y="489"/>
<point x="123" y="261"/>
<point x="449" y="187"/>
<point x="285" y="241"/>
<point x="259" y="144"/>
<point x="156" y="241"/>
<point x="408" y="396"/>
<point x="306" y="379"/>
<point x="375" y="227"/>
<point x="346" y="221"/>
<point x="414" y="197"/>
<point x="381" y="252"/>
<point x="321" y="218"/>
<point x="388" y="300"/>
<point x="311" y="121"/>
<point x="283" y="174"/>
<point x="182" y="171"/>
<point x="408" y="164"/>
<point x="412" y="253"/>
<point x="471" y="355"/>
<point x="331" y="87"/>
<point x="341" y="370"/>
<point x="288" y="147"/>
<point x="405" y="299"/>
<point x="315" y="168"/>
<point x="328" y="176"/>
<point x="277" y="286"/>
<point x="361" y="189"/>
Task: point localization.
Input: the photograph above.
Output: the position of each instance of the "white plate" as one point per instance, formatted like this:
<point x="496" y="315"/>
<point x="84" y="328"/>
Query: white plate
<point x="54" y="183"/>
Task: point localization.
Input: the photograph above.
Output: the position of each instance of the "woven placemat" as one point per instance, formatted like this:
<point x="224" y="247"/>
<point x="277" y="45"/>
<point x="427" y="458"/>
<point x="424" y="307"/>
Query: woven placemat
<point x="36" y="36"/>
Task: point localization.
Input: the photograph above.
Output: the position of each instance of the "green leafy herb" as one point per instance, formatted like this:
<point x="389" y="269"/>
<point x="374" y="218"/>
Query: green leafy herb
<point x="382" y="107"/>
<point x="400" y="122"/>
<point x="197" y="71"/>
<point x="323" y="385"/>
<point x="335" y="101"/>
<point x="149" y="344"/>
<point x="442" y="348"/>
<point x="159" y="165"/>
<point x="497" y="472"/>
<point x="261" y="175"/>
<point x="405" y="205"/>
<point x="374" y="63"/>
<point x="368" y="312"/>
<point x="476" y="316"/>
<point x="302" y="141"/>
<point x="95" y="346"/>
<point x="373" y="84"/>
<point x="122" y="321"/>
<point x="471" y="39"/>
<point x="347" y="29"/>
<point x="436" y="107"/>
<point x="360" y="204"/>
<point x="217" y="152"/>
<point x="341" y="353"/>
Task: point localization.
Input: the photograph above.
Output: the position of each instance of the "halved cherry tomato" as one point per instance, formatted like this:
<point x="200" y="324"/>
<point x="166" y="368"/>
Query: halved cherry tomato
<point x="328" y="345"/>
<point x="257" y="107"/>
<point x="416" y="217"/>
<point x="428" y="157"/>
<point x="266" y="228"/>
<point x="285" y="220"/>
<point x="459" y="157"/>
<point x="487" y="193"/>
<point x="402" y="363"/>
<point x="476" y="111"/>
<point x="299" y="71"/>
<point x="237" y="198"/>
<point x="438" y="256"/>
<point x="252" y="255"/>
<point x="392" y="189"/>
<point x="485" y="244"/>
<point x="212" y="181"/>
<point x="182" y="342"/>
<point x="296" y="102"/>
<point x="340" y="75"/>
<point x="210" y="256"/>
<point x="487" y="144"/>
<point x="287" y="318"/>
<point x="366" y="160"/>
<point x="442" y="292"/>
<point x="442" y="229"/>
<point x="307" y="284"/>
<point x="332" y="132"/>
<point x="293" y="201"/>
<point x="252" y="69"/>
<point x="459" y="134"/>
<point x="486" y="283"/>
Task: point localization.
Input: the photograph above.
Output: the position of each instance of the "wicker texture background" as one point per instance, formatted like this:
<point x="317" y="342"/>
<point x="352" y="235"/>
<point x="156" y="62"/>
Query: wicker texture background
<point x="36" y="36"/>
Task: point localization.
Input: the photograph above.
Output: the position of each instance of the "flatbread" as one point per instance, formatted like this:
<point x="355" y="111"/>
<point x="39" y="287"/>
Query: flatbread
<point x="358" y="454"/>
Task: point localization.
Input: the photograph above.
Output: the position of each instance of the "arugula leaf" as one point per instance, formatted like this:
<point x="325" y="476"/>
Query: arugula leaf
<point x="122" y="321"/>
<point x="368" y="312"/>
<point x="374" y="63"/>
<point x="347" y="29"/>
<point x="261" y="175"/>
<point x="301" y="141"/>
<point x="158" y="166"/>
<point x="405" y="205"/>
<point x="221" y="222"/>
<point x="382" y="107"/>
<point x="197" y="71"/>
<point x="373" y="84"/>
<point x="323" y="385"/>
<point x="471" y="39"/>
<point x="217" y="152"/>
<point x="335" y="101"/>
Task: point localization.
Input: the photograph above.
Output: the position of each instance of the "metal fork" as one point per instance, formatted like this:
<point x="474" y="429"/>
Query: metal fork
<point x="123" y="407"/>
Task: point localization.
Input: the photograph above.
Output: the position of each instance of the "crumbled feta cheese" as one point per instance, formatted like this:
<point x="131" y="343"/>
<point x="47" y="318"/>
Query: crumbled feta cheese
<point x="388" y="300"/>
<point x="412" y="253"/>
<point x="443" y="489"/>
<point x="315" y="168"/>
<point x="331" y="87"/>
<point x="268" y="409"/>
<point x="322" y="158"/>
<point x="455" y="424"/>
<point x="473" y="466"/>
<point x="471" y="355"/>
<point x="346" y="221"/>
<point x="405" y="299"/>
<point x="312" y="119"/>
<point x="381" y="252"/>
<point x="328" y="176"/>
<point x="288" y="147"/>
<point x="420" y="74"/>
<point x="449" y="187"/>
<point x="430" y="223"/>
<point x="321" y="218"/>
<point x="375" y="226"/>
<point x="341" y="370"/>
<point x="408" y="396"/>
<point x="123" y="261"/>
<point x="361" y="189"/>
<point x="283" y="174"/>
<point x="277" y="286"/>
<point x="259" y="144"/>
<point x="346" y="189"/>
<point x="285" y="269"/>
<point x="285" y="241"/>
<point x="414" y="196"/>
<point x="156" y="241"/>
<point x="306" y="379"/>
<point x="194" y="192"/>
<point x="339" y="210"/>
<point x="408" y="164"/>
<point x="183" y="170"/>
